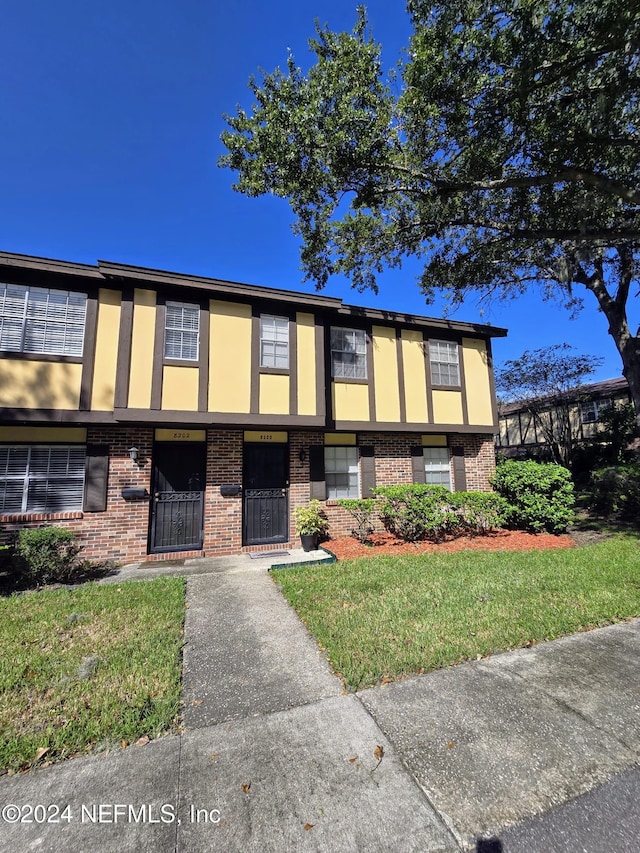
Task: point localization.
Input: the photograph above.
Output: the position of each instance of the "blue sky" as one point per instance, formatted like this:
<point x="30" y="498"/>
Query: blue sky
<point x="110" y="117"/>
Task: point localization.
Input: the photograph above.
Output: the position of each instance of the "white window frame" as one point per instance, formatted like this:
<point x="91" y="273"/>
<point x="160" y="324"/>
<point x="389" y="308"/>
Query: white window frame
<point x="61" y="479"/>
<point x="437" y="467"/>
<point x="182" y="331"/>
<point x="274" y="341"/>
<point x="590" y="410"/>
<point x="444" y="363"/>
<point x="42" y="321"/>
<point x="342" y="462"/>
<point x="348" y="353"/>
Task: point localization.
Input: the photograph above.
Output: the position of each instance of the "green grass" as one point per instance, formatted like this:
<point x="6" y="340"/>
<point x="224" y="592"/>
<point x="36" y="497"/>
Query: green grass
<point x="134" y="630"/>
<point x="391" y="616"/>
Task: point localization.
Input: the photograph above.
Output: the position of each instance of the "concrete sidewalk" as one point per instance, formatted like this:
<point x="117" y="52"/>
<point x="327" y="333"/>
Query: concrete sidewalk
<point x="275" y="757"/>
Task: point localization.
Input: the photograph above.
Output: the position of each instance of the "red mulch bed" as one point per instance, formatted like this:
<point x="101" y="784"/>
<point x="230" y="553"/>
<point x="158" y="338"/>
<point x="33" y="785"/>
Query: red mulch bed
<point x="348" y="547"/>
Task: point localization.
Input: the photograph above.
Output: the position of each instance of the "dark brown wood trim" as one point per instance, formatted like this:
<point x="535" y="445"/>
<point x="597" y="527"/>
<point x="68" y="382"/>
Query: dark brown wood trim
<point x="427" y="374"/>
<point x="276" y="371"/>
<point x="392" y="426"/>
<point x="343" y="380"/>
<point x="89" y="351"/>
<point x="254" y="404"/>
<point x="11" y="416"/>
<point x="293" y="364"/>
<point x="401" y="383"/>
<point x="181" y="362"/>
<point x="371" y="375"/>
<point x="217" y="418"/>
<point x="203" y="361"/>
<point x="323" y="372"/>
<point x="492" y="386"/>
<point x="158" y="353"/>
<point x="123" y="364"/>
<point x="447" y="387"/>
<point x="463" y="384"/>
<point x="36" y="356"/>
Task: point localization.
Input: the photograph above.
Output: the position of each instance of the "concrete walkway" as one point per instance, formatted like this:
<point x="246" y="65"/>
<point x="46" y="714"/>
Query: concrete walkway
<point x="276" y="757"/>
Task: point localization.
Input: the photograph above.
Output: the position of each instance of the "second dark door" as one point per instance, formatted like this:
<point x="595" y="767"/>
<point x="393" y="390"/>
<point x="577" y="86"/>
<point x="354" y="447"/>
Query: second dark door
<point x="266" y="493"/>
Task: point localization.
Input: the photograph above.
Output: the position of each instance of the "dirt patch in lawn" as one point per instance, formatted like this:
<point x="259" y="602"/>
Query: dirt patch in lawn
<point x="347" y="547"/>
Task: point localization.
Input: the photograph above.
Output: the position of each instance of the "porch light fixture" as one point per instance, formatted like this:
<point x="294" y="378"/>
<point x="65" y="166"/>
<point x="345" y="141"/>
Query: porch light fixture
<point x="302" y="455"/>
<point x="133" y="453"/>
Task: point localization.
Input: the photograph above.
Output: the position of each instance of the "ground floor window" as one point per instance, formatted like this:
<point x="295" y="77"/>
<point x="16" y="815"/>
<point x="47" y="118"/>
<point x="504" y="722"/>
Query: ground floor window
<point x="341" y="472"/>
<point x="41" y="478"/>
<point x="437" y="469"/>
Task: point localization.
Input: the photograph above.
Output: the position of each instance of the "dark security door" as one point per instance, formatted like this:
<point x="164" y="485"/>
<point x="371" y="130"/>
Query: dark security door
<point x="266" y="493"/>
<point x="178" y="497"/>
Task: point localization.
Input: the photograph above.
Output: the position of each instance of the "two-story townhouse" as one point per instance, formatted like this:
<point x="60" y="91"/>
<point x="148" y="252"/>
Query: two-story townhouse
<point x="164" y="414"/>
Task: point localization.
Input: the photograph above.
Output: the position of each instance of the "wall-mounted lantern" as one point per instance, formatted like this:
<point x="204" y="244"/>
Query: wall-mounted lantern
<point x="302" y="455"/>
<point x="134" y="454"/>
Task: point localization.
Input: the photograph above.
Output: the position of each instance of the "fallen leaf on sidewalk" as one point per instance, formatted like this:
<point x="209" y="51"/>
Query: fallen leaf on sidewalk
<point x="124" y="743"/>
<point x="451" y="744"/>
<point x="379" y="752"/>
<point x="142" y="741"/>
<point x="246" y="786"/>
<point x="197" y="702"/>
<point x="309" y="826"/>
<point x="351" y="760"/>
<point x="42" y="751"/>
<point x="214" y="755"/>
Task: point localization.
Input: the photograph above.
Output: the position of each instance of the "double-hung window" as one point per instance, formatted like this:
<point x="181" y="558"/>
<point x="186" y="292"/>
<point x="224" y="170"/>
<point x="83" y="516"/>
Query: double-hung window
<point x="41" y="321"/>
<point x="182" y="331"/>
<point x="590" y="411"/>
<point x="348" y="353"/>
<point x="41" y="478"/>
<point x="437" y="468"/>
<point x="274" y="341"/>
<point x="341" y="472"/>
<point x="443" y="357"/>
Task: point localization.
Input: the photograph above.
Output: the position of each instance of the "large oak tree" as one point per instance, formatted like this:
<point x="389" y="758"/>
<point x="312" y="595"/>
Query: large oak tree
<point x="504" y="153"/>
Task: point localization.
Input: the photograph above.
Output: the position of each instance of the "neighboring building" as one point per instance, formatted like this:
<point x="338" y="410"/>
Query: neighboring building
<point x="159" y="413"/>
<point x="519" y="434"/>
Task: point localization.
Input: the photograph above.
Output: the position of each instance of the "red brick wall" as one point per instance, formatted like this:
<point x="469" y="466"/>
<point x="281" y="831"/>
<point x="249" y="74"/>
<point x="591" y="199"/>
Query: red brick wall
<point x="121" y="533"/>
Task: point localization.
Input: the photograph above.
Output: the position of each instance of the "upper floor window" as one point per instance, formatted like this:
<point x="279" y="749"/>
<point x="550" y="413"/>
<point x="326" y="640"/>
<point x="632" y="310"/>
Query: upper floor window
<point x="41" y="478"/>
<point x="37" y="320"/>
<point x="348" y="353"/>
<point x="182" y="328"/>
<point x="591" y="410"/>
<point x="443" y="357"/>
<point x="274" y="341"/>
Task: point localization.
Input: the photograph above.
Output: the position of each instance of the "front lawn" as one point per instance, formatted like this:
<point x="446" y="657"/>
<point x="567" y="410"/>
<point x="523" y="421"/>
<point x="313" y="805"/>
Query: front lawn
<point x="386" y="617"/>
<point x="88" y="668"/>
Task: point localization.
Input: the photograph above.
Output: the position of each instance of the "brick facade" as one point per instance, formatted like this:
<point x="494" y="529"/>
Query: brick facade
<point x="122" y="532"/>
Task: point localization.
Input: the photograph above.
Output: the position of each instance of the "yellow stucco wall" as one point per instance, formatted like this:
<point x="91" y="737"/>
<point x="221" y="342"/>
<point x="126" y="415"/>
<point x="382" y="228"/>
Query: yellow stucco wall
<point x="274" y="394"/>
<point x="306" y="356"/>
<point x="230" y="357"/>
<point x="46" y="435"/>
<point x="28" y="384"/>
<point x="385" y="371"/>
<point x="180" y="388"/>
<point x="447" y="407"/>
<point x="476" y="374"/>
<point x="142" y="341"/>
<point x="106" y="351"/>
<point x="350" y="401"/>
<point x="415" y="381"/>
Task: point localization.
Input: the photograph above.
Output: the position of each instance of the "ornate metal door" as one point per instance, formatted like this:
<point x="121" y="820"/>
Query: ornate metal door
<point x="266" y="493"/>
<point x="178" y="497"/>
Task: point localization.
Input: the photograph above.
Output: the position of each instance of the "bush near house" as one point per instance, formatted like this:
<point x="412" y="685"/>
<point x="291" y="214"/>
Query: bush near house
<point x="48" y="554"/>
<point x="616" y="489"/>
<point x="421" y="511"/>
<point x="540" y="495"/>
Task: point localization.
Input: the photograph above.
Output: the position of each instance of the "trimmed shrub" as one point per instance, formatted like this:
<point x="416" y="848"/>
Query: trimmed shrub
<point x="363" y="511"/>
<point x="49" y="554"/>
<point x="480" y="512"/>
<point x="616" y="489"/>
<point x="540" y="495"/>
<point x="417" y="511"/>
